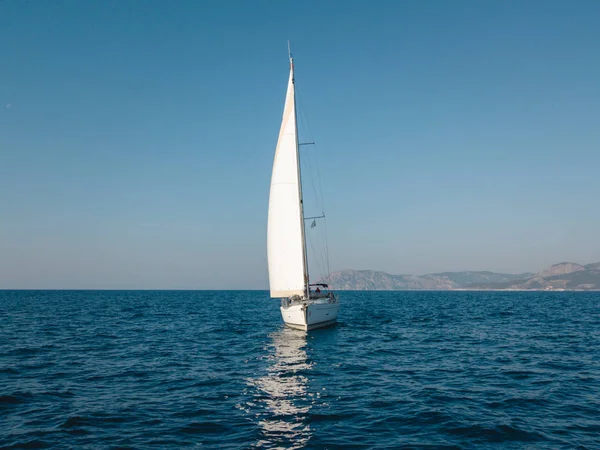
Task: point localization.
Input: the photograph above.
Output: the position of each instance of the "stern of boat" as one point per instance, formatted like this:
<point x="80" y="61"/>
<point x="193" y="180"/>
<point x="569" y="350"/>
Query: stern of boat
<point x="306" y="315"/>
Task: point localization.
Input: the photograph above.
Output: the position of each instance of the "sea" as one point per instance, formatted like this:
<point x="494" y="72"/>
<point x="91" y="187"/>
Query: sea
<point x="217" y="369"/>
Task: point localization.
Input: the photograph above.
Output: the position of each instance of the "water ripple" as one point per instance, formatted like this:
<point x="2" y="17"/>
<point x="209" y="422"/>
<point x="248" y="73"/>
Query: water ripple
<point x="217" y="369"/>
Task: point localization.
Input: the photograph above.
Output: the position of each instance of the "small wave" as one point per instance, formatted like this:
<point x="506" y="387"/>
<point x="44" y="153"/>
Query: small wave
<point x="418" y="420"/>
<point x="204" y="427"/>
<point x="38" y="365"/>
<point x="9" y="400"/>
<point x="209" y="382"/>
<point x="76" y="421"/>
<point x="125" y="374"/>
<point x="593" y="428"/>
<point x="518" y="374"/>
<point x="328" y="417"/>
<point x="517" y="402"/>
<point x="383" y="404"/>
<point x="16" y="398"/>
<point x="24" y="351"/>
<point x="166" y="442"/>
<point x="193" y="413"/>
<point x="79" y="425"/>
<point x="58" y="394"/>
<point x="35" y="443"/>
<point x="106" y="336"/>
<point x="497" y="434"/>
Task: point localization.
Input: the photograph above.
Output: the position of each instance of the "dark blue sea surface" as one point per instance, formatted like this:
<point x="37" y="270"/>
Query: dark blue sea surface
<point x="214" y="369"/>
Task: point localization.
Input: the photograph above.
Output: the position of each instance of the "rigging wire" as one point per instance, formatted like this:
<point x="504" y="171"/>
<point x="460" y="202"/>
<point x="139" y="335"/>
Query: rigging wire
<point x="317" y="190"/>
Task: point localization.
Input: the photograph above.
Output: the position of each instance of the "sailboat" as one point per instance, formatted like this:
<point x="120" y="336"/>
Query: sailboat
<point x="302" y="307"/>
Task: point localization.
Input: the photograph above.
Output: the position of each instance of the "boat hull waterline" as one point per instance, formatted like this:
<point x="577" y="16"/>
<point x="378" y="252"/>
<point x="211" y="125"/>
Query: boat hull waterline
<point x="309" y="315"/>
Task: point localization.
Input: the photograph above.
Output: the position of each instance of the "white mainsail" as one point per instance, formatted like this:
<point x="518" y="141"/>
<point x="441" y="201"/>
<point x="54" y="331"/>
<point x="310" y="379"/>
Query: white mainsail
<point x="285" y="241"/>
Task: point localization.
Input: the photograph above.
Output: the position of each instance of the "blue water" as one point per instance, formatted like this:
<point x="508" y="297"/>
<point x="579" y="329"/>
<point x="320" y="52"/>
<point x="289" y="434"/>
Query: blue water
<point x="217" y="369"/>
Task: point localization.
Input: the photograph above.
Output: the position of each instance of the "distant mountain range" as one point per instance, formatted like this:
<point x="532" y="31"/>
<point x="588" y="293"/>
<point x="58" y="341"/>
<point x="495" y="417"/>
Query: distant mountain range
<point x="562" y="276"/>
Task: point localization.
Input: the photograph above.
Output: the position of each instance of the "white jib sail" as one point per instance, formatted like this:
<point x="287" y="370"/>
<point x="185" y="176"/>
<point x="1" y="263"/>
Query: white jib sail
<point x="285" y="249"/>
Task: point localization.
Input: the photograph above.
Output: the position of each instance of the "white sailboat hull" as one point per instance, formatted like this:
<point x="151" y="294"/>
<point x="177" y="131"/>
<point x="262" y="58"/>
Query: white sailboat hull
<point x="310" y="314"/>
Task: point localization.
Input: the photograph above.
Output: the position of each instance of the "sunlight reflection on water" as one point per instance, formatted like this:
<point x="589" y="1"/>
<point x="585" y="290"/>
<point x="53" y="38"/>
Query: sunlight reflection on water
<point x="282" y="392"/>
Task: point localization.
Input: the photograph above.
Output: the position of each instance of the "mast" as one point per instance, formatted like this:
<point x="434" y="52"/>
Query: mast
<point x="304" y="252"/>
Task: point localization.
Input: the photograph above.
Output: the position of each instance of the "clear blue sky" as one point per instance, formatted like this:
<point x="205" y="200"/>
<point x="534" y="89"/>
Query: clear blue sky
<point x="137" y="137"/>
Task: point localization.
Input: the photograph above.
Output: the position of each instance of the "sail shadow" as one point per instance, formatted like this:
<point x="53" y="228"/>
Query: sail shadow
<point x="282" y="394"/>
